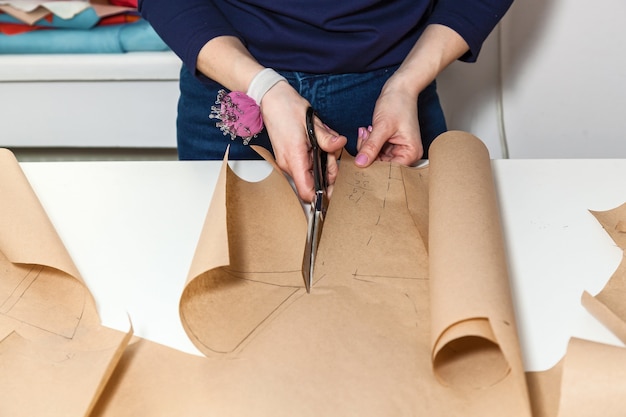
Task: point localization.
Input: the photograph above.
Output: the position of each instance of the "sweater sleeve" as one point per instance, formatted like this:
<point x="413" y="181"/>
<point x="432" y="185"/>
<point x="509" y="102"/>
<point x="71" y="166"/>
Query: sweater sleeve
<point x="186" y="25"/>
<point x="472" y="19"/>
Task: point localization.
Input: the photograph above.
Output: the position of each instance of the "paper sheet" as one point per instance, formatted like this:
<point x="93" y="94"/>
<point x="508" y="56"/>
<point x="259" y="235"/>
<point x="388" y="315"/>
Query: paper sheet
<point x="587" y="382"/>
<point x="377" y="335"/>
<point x="55" y="358"/>
<point x="248" y="263"/>
<point x="593" y="380"/>
<point x="608" y="305"/>
<point x="157" y="381"/>
<point x="410" y="312"/>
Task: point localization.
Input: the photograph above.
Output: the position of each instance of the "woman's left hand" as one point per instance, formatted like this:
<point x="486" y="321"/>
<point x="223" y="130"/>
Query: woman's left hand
<point x="394" y="134"/>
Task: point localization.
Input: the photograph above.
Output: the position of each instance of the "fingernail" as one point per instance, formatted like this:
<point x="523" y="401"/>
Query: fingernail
<point x="366" y="136"/>
<point x="370" y="128"/>
<point x="361" y="159"/>
<point x="335" y="138"/>
<point x="361" y="133"/>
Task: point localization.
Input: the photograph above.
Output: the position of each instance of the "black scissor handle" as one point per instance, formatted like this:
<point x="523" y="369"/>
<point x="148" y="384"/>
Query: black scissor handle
<point x="319" y="156"/>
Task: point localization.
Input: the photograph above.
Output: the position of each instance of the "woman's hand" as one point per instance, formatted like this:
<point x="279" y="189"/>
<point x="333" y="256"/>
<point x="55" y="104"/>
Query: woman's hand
<point x="394" y="134"/>
<point x="284" y="116"/>
<point x="226" y="60"/>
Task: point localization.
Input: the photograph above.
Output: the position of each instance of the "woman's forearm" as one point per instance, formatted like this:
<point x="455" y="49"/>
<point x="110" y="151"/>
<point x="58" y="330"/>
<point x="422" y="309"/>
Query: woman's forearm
<point x="226" y="60"/>
<point x="437" y="48"/>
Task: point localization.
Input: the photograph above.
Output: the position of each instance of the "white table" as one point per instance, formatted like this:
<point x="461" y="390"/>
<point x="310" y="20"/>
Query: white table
<point x="132" y="229"/>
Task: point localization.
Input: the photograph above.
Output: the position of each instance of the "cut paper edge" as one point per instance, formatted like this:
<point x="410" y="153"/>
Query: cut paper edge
<point x="605" y="315"/>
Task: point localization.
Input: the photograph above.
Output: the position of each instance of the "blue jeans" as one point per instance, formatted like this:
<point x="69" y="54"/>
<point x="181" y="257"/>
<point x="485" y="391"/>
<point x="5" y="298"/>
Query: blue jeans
<point x="343" y="101"/>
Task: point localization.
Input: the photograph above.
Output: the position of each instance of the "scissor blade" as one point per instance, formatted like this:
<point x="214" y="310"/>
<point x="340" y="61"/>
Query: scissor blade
<point x="319" y="204"/>
<point x="307" y="262"/>
<point x="312" y="243"/>
<point x="318" y="222"/>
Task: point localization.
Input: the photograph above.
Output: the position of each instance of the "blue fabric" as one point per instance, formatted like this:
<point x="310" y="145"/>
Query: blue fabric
<point x="129" y="37"/>
<point x="344" y="102"/>
<point x="322" y="36"/>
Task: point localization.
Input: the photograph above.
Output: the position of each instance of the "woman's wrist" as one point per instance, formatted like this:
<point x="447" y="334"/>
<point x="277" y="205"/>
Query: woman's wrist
<point x="262" y="82"/>
<point x="404" y="84"/>
<point x="238" y="113"/>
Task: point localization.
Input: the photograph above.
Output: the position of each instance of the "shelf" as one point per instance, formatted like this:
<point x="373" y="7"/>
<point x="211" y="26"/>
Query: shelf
<point x="90" y="67"/>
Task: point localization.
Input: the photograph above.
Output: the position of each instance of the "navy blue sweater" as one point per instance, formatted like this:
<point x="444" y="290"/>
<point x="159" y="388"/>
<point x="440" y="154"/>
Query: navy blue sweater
<point x="322" y="36"/>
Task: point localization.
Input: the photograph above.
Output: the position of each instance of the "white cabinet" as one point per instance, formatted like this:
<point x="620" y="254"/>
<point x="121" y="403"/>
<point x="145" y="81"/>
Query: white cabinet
<point x="100" y="100"/>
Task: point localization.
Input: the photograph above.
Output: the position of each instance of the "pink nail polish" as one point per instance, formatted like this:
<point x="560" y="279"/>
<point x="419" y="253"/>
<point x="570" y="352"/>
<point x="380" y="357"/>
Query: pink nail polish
<point x="370" y="128"/>
<point x="361" y="133"/>
<point x="361" y="159"/>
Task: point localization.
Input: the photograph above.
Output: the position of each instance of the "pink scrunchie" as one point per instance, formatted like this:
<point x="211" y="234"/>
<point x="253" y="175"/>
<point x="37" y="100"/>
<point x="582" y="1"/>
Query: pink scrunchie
<point x="238" y="115"/>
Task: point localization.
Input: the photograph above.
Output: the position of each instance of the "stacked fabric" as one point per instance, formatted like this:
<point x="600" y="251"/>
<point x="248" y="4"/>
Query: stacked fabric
<point x="74" y="26"/>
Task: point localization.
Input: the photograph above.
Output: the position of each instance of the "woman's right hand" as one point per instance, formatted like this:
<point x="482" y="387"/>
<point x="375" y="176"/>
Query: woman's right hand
<point x="284" y="116"/>
<point x="226" y="60"/>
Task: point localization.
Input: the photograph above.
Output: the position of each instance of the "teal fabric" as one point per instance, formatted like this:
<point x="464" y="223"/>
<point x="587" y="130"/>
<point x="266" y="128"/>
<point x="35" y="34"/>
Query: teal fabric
<point x="129" y="37"/>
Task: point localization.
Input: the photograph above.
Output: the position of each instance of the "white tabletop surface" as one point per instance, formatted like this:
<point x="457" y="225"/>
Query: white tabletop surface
<point x="132" y="229"/>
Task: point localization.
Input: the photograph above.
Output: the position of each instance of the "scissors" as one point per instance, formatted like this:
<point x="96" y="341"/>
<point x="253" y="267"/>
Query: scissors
<point x="319" y="203"/>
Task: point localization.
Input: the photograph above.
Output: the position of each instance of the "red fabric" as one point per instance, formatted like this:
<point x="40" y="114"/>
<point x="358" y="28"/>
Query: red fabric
<point x="127" y="3"/>
<point x="15" y="28"/>
<point x="19" y="28"/>
<point x="118" y="19"/>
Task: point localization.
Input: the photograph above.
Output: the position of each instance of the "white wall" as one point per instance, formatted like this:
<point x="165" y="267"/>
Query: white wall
<point x="563" y="82"/>
<point x="564" y="79"/>
<point x="470" y="94"/>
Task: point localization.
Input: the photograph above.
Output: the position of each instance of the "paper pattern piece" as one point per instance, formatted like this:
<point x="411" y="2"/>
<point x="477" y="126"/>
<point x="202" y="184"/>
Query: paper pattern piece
<point x="249" y="264"/>
<point x="593" y="380"/>
<point x="55" y="357"/>
<point x="410" y="312"/>
<point x="157" y="381"/>
<point x="608" y="305"/>
<point x="544" y="389"/>
<point x="587" y="382"/>
<point x="381" y="333"/>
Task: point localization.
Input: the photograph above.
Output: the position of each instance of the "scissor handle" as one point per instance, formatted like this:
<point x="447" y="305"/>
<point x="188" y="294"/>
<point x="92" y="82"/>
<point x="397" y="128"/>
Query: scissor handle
<point x="319" y="156"/>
